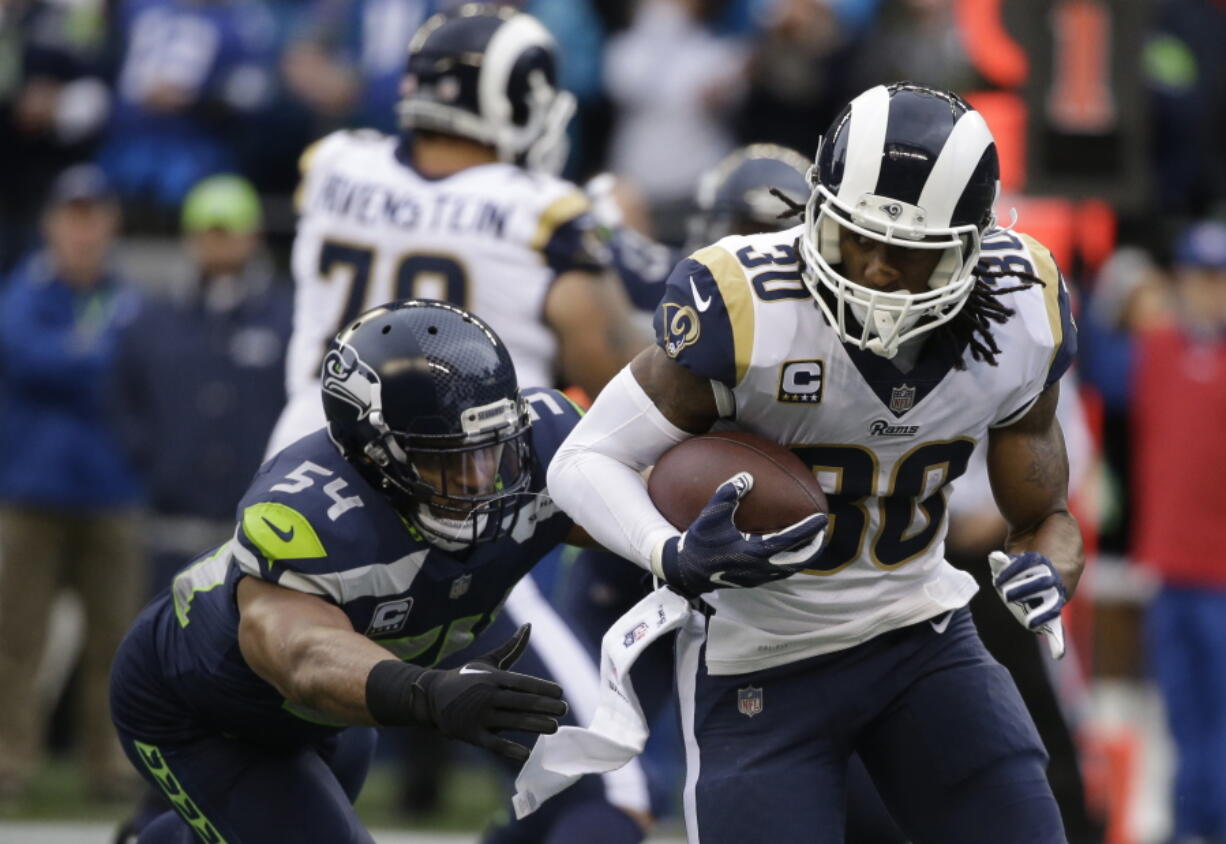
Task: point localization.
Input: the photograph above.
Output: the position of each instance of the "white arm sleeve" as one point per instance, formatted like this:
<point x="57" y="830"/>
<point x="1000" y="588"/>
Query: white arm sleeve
<point x="595" y="475"/>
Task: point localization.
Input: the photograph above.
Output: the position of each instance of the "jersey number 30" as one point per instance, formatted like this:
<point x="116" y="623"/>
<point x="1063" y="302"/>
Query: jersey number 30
<point x="911" y="510"/>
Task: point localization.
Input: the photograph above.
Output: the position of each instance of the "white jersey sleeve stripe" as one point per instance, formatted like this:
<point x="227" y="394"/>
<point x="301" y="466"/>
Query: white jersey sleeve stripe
<point x="954" y="167"/>
<point x="870" y="115"/>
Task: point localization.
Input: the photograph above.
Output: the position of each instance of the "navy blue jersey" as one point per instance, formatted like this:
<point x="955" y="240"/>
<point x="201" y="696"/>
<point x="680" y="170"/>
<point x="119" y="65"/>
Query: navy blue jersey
<point x="310" y="522"/>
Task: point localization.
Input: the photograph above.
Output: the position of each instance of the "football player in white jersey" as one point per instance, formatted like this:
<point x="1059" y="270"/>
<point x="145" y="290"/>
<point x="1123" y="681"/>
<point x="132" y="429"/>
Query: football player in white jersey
<point x="462" y="208"/>
<point x="879" y="340"/>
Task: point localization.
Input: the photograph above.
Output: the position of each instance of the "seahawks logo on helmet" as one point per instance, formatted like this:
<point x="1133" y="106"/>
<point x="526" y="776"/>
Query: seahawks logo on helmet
<point x="347" y="377"/>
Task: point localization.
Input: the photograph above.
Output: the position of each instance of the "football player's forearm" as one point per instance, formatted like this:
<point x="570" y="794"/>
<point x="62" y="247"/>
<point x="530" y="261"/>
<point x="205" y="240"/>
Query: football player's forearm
<point x="329" y="671"/>
<point x="1057" y="537"/>
<point x="595" y="476"/>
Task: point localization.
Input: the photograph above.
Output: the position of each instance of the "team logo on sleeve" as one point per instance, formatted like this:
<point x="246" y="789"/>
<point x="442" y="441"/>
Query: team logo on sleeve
<point x="681" y="328"/>
<point x="800" y="381"/>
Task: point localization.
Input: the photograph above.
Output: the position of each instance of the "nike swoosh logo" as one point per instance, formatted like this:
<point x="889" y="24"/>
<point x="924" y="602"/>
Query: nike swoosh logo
<point x="939" y="624"/>
<point x="468" y="669"/>
<point x="702" y="303"/>
<point x="718" y="578"/>
<point x="283" y="535"/>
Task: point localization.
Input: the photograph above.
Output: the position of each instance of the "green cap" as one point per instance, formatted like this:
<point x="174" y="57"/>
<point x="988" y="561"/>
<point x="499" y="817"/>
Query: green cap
<point x="222" y="202"/>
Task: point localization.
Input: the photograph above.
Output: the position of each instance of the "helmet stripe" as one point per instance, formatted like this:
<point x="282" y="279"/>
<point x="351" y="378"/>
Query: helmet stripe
<point x="953" y="169"/>
<point x="509" y="42"/>
<point x="870" y="114"/>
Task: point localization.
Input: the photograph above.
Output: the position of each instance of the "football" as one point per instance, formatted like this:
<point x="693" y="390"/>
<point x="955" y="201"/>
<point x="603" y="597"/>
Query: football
<point x="687" y="475"/>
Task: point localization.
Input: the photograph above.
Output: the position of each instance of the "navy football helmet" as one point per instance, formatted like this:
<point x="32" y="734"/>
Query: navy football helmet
<point x="422" y="397"/>
<point x="910" y="166"/>
<point x="489" y="73"/>
<point x="734" y="197"/>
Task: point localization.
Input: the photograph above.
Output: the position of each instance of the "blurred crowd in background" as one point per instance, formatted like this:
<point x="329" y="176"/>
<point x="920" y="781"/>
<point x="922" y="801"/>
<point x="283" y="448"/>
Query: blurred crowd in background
<point x="150" y="154"/>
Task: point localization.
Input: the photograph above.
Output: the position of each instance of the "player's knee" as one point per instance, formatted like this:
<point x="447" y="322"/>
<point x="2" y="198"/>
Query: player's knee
<point x="1012" y="797"/>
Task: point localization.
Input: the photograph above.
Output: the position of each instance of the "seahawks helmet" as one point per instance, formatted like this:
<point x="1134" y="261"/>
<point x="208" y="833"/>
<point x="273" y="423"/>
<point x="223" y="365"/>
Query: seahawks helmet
<point x="909" y="166"/>
<point x="489" y="73"/>
<point x="734" y="197"/>
<point x="422" y="397"/>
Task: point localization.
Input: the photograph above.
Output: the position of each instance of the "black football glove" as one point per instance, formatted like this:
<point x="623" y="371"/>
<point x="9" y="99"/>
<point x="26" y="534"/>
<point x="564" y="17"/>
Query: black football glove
<point x="714" y="554"/>
<point x="480" y="698"/>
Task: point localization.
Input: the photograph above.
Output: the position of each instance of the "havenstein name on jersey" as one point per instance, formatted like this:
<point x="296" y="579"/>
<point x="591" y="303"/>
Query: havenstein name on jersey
<point x="370" y="203"/>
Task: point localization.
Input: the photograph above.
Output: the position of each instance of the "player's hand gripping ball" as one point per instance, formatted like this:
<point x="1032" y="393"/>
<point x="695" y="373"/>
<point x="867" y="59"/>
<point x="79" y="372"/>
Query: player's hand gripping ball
<point x="751" y="512"/>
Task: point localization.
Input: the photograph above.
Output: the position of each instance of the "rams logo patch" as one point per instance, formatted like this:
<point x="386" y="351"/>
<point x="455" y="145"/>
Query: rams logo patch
<point x="681" y="328"/>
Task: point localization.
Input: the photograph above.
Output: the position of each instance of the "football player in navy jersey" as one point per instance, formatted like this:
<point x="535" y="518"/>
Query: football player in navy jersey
<point x="879" y="339"/>
<point x="364" y="554"/>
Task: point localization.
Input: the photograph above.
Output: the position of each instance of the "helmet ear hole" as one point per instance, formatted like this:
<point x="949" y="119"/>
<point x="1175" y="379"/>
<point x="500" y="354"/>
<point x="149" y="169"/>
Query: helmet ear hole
<point x="828" y="240"/>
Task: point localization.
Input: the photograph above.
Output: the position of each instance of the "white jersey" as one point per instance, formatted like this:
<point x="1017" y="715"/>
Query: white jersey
<point x="884" y="443"/>
<point x="491" y="239"/>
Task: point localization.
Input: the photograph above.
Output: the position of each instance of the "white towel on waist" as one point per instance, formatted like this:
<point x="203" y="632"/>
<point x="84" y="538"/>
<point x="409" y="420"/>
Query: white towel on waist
<point x="618" y="730"/>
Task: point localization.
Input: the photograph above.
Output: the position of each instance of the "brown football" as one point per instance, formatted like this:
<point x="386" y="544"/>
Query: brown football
<point x="687" y="475"/>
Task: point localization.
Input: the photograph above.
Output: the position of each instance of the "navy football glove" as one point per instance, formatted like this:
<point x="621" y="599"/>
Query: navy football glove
<point x="714" y="554"/>
<point x="480" y="698"/>
<point x="1032" y="590"/>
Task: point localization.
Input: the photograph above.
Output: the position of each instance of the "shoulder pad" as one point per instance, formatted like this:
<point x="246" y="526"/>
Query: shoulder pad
<point x="1058" y="307"/>
<point x="565" y="206"/>
<point x="554" y="415"/>
<point x="705" y="320"/>
<point x="306" y="516"/>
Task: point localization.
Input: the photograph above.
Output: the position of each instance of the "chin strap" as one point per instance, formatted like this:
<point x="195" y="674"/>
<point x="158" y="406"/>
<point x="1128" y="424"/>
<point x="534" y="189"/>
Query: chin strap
<point x="878" y="348"/>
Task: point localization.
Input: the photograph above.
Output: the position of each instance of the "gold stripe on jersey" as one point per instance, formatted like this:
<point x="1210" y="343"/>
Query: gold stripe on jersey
<point x="561" y="210"/>
<point x="734" y="290"/>
<point x="1045" y="268"/>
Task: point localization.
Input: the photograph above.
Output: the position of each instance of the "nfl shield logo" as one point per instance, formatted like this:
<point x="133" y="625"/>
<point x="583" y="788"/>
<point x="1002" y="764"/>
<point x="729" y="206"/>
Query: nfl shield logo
<point x="749" y="701"/>
<point x="460" y="585"/>
<point x="635" y="633"/>
<point x="901" y="398"/>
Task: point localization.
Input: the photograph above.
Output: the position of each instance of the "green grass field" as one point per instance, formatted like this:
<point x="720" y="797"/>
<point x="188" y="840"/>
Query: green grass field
<point x="471" y="798"/>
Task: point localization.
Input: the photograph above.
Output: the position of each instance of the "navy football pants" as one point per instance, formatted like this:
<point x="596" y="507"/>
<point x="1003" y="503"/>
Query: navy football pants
<point x="938" y="723"/>
<point x="230" y="791"/>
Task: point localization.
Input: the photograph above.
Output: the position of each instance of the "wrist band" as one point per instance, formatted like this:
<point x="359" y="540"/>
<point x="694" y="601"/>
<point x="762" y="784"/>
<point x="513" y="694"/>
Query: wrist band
<point x="390" y="692"/>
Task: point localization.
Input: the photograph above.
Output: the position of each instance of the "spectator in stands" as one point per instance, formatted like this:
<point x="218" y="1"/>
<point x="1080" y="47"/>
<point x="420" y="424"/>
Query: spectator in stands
<point x="1179" y="402"/>
<point x="189" y="72"/>
<point x="799" y="74"/>
<point x="675" y="78"/>
<point x="1130" y="295"/>
<point x="53" y="104"/>
<point x="347" y="59"/>
<point x="202" y="375"/>
<point x="68" y="497"/>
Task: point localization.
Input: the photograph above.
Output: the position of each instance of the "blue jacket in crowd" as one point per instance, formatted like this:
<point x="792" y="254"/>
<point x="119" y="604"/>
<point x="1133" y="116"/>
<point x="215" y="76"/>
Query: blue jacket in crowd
<point x="203" y="383"/>
<point x="59" y="448"/>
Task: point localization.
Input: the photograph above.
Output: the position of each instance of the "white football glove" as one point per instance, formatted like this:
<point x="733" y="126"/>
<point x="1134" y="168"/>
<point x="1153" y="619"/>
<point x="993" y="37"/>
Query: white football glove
<point x="1032" y="590"/>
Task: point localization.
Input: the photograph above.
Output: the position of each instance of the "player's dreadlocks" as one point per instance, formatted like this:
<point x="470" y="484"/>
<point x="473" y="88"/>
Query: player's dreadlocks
<point x="972" y="324"/>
